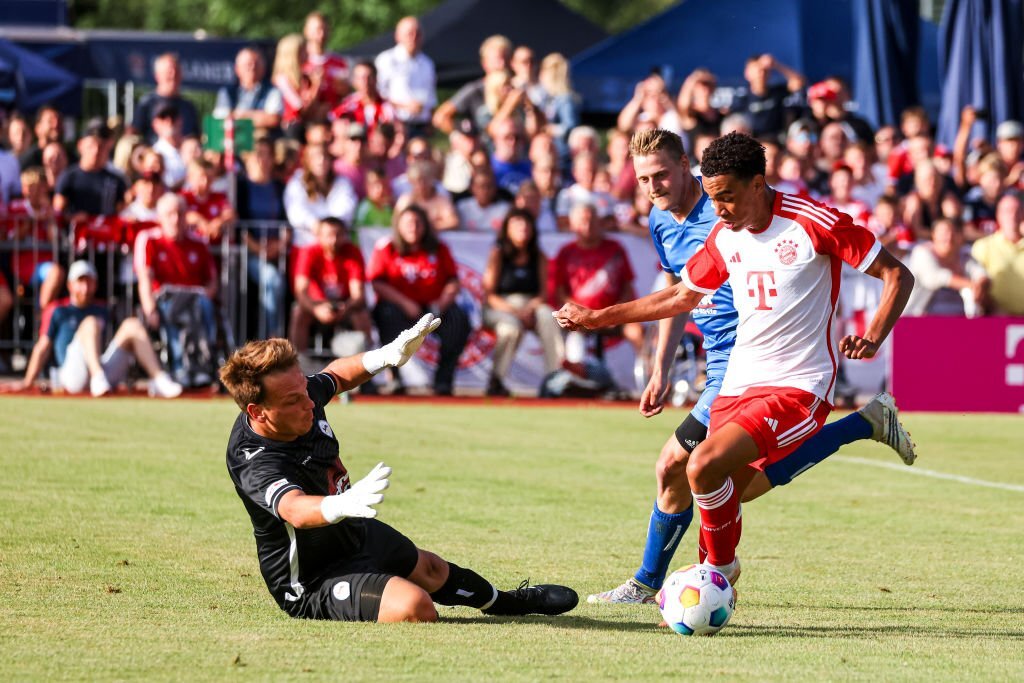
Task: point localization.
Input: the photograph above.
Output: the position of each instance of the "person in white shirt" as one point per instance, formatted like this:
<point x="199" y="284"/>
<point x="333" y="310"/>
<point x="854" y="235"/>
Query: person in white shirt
<point x="584" y="170"/>
<point x="315" y="192"/>
<point x="167" y="126"/>
<point x="406" y="76"/>
<point x="947" y="281"/>
<point x="483" y="211"/>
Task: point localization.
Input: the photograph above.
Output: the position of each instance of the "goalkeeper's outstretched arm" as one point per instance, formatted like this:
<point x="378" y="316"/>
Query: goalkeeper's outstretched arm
<point x="352" y="371"/>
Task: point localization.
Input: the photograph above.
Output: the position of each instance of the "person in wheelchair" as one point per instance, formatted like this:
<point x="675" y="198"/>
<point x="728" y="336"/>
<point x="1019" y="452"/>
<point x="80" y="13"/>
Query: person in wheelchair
<point x="329" y="286"/>
<point x="177" y="285"/>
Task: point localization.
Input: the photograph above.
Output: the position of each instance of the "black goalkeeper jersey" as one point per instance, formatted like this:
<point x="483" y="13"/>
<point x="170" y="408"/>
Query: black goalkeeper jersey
<point x="263" y="470"/>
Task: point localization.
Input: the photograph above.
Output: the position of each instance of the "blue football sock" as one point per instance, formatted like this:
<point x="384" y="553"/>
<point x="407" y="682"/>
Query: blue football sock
<point x="827" y="441"/>
<point x="663" y="536"/>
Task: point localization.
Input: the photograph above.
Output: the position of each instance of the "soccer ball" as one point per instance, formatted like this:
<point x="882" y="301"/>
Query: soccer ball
<point x="696" y="601"/>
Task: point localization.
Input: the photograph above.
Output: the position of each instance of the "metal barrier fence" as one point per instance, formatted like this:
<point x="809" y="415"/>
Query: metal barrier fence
<point x="244" y="258"/>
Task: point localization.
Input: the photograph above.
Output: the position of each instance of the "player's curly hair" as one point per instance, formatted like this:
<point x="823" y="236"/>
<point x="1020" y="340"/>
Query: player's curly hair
<point x="653" y="140"/>
<point x="734" y="154"/>
<point x="243" y="374"/>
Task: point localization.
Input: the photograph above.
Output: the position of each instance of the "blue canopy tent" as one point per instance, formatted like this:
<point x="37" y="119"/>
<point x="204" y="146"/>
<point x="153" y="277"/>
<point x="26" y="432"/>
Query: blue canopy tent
<point x="719" y="35"/>
<point x="886" y="41"/>
<point x="40" y="80"/>
<point x="982" y="63"/>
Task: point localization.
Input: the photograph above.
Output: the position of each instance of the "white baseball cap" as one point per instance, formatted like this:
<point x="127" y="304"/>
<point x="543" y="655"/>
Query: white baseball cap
<point x="80" y="269"/>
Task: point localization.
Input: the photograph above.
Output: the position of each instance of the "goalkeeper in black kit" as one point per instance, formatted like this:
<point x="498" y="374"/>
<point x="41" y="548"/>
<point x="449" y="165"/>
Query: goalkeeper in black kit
<point x="321" y="552"/>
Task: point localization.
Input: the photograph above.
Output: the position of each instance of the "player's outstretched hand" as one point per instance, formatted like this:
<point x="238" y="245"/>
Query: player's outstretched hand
<point x="359" y="499"/>
<point x="574" y="317"/>
<point x="856" y="348"/>
<point x="652" y="401"/>
<point x="398" y="352"/>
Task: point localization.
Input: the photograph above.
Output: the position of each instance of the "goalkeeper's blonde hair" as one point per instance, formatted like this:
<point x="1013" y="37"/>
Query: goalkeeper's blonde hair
<point x="243" y="374"/>
<point x="651" y="141"/>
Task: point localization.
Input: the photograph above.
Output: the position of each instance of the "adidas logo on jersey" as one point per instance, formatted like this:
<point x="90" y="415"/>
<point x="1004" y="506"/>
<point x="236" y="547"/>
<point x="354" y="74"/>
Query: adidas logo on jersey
<point x="735" y="258"/>
<point x="772" y="422"/>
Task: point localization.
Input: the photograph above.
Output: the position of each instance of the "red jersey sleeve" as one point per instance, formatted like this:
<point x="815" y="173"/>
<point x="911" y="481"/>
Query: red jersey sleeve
<point x="706" y="270"/>
<point x="852" y="243"/>
<point x="380" y="260"/>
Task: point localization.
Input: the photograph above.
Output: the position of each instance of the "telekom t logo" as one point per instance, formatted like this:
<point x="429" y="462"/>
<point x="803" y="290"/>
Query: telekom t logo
<point x="1014" y="371"/>
<point x="763" y="286"/>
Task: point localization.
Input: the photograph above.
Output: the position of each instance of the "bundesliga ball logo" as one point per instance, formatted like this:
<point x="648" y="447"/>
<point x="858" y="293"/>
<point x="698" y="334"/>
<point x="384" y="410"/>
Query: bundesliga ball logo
<point x="786" y="251"/>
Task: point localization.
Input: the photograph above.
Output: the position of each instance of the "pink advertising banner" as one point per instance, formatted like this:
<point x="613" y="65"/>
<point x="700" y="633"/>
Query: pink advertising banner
<point x="959" y="365"/>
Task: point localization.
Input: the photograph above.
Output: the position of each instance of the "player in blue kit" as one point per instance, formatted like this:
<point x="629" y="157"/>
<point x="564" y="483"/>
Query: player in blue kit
<point x="682" y="217"/>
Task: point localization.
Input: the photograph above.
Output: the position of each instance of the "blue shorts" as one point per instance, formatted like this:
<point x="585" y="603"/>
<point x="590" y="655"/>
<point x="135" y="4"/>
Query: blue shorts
<point x="717" y="361"/>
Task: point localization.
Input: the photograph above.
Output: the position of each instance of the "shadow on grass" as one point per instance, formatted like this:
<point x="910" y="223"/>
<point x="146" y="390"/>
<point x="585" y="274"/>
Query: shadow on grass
<point x="570" y="621"/>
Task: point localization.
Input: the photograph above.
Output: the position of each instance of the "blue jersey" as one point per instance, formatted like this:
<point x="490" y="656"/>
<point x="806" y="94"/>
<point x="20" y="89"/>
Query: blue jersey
<point x="716" y="315"/>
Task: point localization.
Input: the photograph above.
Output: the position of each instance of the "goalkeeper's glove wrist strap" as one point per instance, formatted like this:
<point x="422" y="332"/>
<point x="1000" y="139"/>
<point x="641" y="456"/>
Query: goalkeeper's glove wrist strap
<point x="374" y="361"/>
<point x="332" y="508"/>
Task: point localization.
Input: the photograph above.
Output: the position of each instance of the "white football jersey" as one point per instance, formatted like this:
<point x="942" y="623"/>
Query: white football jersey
<point x="785" y="282"/>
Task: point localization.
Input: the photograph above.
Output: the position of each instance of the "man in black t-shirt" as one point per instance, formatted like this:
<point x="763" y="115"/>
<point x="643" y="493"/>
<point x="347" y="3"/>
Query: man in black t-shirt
<point x="88" y="188"/>
<point x="167" y="74"/>
<point x="767" y="104"/>
<point x="321" y="552"/>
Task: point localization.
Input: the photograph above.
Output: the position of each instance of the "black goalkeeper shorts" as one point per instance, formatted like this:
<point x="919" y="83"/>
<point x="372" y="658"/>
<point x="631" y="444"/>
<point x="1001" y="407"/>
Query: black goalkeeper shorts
<point x="355" y="586"/>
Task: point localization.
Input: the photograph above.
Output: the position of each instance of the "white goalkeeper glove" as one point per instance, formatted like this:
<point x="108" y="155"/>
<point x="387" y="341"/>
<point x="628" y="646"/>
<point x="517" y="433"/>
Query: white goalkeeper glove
<point x="359" y="499"/>
<point x="398" y="352"/>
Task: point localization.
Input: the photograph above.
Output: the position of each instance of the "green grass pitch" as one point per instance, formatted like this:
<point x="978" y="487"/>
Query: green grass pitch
<point x="125" y="554"/>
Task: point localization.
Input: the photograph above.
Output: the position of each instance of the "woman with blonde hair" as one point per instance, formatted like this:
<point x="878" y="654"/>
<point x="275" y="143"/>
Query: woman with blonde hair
<point x="560" y="104"/>
<point x="297" y="89"/>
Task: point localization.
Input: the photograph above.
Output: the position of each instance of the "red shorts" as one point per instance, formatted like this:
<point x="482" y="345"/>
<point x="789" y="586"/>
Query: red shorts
<point x="779" y="419"/>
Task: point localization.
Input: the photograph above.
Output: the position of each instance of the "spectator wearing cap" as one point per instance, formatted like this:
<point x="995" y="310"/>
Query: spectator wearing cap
<point x="250" y="98"/>
<point x="495" y="53"/>
<point x="947" y="281"/>
<point x="407" y="78"/>
<point x="483" y="210"/>
<point x="767" y="104"/>
<point x="167" y="126"/>
<point x="829" y="101"/>
<point x="350" y="162"/>
<point x="508" y="161"/>
<point x="365" y="105"/>
<point x="89" y="188"/>
<point x="458" y="169"/>
<point x="1002" y="256"/>
<point x="167" y="73"/>
<point x="316" y="192"/>
<point x="327" y="70"/>
<point x="1010" y="147"/>
<point x="72" y="329"/>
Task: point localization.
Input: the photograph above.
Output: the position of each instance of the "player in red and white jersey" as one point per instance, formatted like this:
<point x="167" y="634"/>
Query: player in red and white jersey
<point x="782" y="256"/>
<point x="329" y="71"/>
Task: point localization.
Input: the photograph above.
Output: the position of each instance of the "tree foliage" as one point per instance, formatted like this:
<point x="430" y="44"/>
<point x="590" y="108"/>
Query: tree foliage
<point x="352" y="20"/>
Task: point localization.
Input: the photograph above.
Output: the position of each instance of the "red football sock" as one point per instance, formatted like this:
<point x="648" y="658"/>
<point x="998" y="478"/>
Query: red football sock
<point x="719" y="525"/>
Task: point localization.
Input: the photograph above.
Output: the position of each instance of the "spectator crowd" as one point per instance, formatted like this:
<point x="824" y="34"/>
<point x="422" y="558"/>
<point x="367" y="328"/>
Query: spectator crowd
<point x="342" y="145"/>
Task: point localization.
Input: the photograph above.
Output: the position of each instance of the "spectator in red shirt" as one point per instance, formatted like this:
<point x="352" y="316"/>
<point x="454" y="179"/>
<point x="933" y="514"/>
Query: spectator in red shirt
<point x="329" y="286"/>
<point x="31" y="220"/>
<point x="365" y="105"/>
<point x="412" y="274"/>
<point x="328" y="71"/>
<point x="594" y="269"/>
<point x="208" y="213"/>
<point x="176" y="264"/>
